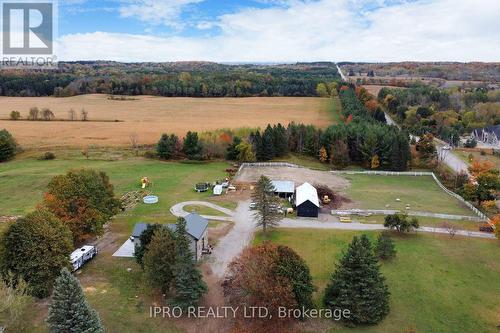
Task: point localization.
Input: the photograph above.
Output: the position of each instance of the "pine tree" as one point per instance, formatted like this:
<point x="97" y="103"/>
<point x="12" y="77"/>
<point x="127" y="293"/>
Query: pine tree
<point x="268" y="149"/>
<point x="280" y="140"/>
<point x="69" y="311"/>
<point x="159" y="259"/>
<point x="266" y="204"/>
<point x="192" y="147"/>
<point x="188" y="281"/>
<point x="358" y="285"/>
<point x="7" y="146"/>
<point x="385" y="249"/>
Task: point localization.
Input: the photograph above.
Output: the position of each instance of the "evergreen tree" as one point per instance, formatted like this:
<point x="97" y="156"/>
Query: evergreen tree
<point x="268" y="151"/>
<point x="141" y="247"/>
<point x="266" y="204"/>
<point x="188" y="281"/>
<point x="192" y="147"/>
<point x="69" y="311"/>
<point x="232" y="152"/>
<point x="160" y="259"/>
<point x="7" y="146"/>
<point x="294" y="268"/>
<point x="385" y="249"/>
<point x="280" y="140"/>
<point x="256" y="140"/>
<point x="358" y="285"/>
<point x="167" y="146"/>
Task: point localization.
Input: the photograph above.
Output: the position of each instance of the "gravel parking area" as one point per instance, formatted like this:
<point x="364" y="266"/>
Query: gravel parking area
<point x="298" y="175"/>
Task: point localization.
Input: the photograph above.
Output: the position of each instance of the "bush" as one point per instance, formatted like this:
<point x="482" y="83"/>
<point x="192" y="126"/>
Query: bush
<point x="8" y="146"/>
<point x="15" y="115"/>
<point x="470" y="143"/>
<point x="385" y="248"/>
<point x="47" y="156"/>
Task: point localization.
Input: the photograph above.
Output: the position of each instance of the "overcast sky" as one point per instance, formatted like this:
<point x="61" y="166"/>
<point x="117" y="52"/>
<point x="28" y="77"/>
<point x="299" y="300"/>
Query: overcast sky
<point x="279" y="30"/>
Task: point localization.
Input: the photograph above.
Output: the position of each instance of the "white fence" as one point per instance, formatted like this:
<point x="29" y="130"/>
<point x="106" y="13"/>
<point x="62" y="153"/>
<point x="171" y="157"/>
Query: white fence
<point x="366" y="212"/>
<point x="411" y="173"/>
<point x="378" y="173"/>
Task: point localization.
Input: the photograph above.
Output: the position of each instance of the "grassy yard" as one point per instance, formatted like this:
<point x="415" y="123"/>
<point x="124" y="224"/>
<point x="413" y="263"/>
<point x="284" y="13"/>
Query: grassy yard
<point x="425" y="221"/>
<point x="203" y="210"/>
<point x="437" y="284"/>
<point x="422" y="193"/>
<point x="464" y="156"/>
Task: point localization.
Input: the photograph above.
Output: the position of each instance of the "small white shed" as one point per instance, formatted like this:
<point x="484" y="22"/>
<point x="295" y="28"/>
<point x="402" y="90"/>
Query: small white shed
<point x="218" y="189"/>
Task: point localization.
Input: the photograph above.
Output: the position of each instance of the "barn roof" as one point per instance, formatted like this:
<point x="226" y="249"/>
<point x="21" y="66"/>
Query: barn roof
<point x="284" y="186"/>
<point x="195" y="226"/>
<point x="306" y="192"/>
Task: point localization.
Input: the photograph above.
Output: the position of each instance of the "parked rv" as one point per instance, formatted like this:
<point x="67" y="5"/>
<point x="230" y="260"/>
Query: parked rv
<point x="80" y="256"/>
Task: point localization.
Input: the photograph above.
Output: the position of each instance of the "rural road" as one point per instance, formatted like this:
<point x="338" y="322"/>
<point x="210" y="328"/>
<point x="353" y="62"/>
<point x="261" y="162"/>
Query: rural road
<point x="451" y="160"/>
<point x="341" y="74"/>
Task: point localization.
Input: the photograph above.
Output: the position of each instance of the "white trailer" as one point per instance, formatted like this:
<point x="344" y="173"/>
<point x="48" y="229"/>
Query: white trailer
<point x="80" y="256"/>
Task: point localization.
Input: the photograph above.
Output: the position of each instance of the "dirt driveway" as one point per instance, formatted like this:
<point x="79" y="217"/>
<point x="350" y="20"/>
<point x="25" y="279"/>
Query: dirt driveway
<point x="298" y="175"/>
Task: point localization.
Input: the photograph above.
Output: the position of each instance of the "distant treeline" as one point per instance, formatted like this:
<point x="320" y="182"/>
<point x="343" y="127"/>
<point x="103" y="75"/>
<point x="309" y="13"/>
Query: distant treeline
<point x="361" y="139"/>
<point x="170" y="79"/>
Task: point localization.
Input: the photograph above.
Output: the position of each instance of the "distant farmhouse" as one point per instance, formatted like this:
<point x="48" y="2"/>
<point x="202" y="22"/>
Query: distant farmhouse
<point x="196" y="228"/>
<point x="487" y="135"/>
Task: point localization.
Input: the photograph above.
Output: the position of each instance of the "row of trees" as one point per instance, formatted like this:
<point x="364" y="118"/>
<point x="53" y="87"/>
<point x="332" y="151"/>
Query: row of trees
<point x="168" y="263"/>
<point x="47" y="115"/>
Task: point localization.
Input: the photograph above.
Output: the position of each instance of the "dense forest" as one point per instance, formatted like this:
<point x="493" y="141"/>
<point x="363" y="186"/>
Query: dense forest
<point x="180" y="79"/>
<point x="446" y="113"/>
<point x="475" y="71"/>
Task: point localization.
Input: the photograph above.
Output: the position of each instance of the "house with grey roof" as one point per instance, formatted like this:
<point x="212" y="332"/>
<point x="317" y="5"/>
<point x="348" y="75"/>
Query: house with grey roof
<point x="488" y="135"/>
<point x="196" y="228"/>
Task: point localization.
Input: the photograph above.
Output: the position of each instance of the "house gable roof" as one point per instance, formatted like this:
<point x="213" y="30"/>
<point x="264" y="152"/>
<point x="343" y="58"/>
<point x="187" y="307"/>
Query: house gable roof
<point x="195" y="226"/>
<point x="306" y="192"/>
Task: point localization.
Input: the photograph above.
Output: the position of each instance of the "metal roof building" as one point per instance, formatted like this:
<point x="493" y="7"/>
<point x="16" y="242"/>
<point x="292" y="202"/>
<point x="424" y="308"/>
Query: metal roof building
<point x="284" y="188"/>
<point x="307" y="201"/>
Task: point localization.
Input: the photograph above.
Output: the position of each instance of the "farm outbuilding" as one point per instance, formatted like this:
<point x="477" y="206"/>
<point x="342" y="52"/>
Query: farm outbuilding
<point x="307" y="201"/>
<point x="284" y="188"/>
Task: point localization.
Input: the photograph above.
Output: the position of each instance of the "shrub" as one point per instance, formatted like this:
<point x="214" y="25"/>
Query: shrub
<point x="150" y="154"/>
<point x="8" y="146"/>
<point x="47" y="156"/>
<point x="385" y="249"/>
<point x="15" y="115"/>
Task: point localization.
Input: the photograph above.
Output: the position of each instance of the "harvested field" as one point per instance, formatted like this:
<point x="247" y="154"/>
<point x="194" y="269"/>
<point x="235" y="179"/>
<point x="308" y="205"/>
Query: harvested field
<point x="298" y="175"/>
<point x="374" y="89"/>
<point x="148" y="117"/>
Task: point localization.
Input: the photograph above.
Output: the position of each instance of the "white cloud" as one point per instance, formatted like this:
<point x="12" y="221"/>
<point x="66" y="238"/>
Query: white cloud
<point x="430" y="30"/>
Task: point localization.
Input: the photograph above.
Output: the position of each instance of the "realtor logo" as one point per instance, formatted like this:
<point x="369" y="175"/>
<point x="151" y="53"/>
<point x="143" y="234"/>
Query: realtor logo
<point x="28" y="32"/>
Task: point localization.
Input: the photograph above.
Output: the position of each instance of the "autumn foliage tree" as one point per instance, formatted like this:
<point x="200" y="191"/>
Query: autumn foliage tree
<point x="84" y="200"/>
<point x="268" y="276"/>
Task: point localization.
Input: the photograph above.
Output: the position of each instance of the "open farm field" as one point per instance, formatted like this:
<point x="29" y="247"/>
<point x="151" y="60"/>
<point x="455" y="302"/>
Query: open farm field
<point x="112" y="122"/>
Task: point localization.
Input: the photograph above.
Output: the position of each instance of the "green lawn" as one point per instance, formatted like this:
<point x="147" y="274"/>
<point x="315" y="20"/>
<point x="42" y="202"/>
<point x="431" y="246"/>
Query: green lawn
<point x="425" y="221"/>
<point x="422" y="193"/>
<point x="437" y="284"/>
<point x="24" y="180"/>
<point x="203" y="210"/>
